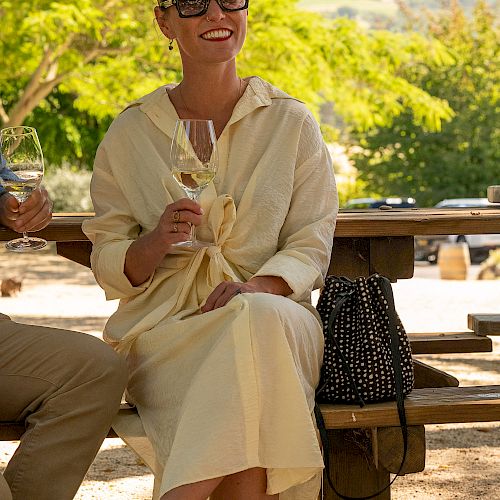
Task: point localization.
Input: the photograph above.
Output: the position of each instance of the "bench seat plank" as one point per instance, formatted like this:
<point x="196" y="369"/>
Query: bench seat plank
<point x="423" y="406"/>
<point x="448" y="342"/>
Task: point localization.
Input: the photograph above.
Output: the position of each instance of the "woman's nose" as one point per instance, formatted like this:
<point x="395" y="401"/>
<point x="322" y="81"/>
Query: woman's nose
<point x="214" y="12"/>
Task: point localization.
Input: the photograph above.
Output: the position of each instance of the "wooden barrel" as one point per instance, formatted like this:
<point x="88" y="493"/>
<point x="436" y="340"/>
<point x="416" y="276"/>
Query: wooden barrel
<point x="453" y="261"/>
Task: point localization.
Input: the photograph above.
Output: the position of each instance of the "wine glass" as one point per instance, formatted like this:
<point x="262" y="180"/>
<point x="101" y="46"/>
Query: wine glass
<point x="194" y="159"/>
<point x="21" y="172"/>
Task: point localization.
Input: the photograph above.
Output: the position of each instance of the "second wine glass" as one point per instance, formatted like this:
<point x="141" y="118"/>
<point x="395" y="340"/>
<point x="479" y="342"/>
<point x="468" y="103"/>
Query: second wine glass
<point x="194" y="159"/>
<point x="21" y="172"/>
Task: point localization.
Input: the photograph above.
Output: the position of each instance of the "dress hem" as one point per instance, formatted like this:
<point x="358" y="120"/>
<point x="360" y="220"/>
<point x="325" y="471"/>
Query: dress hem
<point x="315" y="470"/>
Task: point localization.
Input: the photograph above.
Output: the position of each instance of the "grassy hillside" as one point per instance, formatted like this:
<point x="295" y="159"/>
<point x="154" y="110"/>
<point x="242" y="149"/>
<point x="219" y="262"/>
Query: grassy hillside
<point x="373" y="10"/>
<point x="327" y="6"/>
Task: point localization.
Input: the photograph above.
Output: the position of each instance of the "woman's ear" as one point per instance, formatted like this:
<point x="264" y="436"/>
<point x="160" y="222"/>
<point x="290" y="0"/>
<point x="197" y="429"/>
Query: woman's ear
<point x="161" y="19"/>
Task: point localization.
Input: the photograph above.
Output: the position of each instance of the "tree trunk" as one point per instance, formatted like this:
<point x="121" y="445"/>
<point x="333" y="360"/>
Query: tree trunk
<point x="28" y="103"/>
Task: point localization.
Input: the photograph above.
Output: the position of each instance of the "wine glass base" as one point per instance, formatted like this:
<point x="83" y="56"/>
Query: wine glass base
<point x="25" y="244"/>
<point x="192" y="244"/>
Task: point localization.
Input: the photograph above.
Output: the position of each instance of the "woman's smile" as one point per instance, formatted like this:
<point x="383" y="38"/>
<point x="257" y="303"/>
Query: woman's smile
<point x="217" y="35"/>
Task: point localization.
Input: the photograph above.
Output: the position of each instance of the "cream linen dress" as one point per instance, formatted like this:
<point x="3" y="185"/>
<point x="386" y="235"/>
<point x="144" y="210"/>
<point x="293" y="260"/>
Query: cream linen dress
<point x="233" y="388"/>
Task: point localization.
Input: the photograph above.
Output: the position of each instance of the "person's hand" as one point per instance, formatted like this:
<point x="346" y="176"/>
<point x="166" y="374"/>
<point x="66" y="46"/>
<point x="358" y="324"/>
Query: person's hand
<point x="227" y="290"/>
<point x="224" y="292"/>
<point x="146" y="252"/>
<point x="32" y="215"/>
<point x="175" y="223"/>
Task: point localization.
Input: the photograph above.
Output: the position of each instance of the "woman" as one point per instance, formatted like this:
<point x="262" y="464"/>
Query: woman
<point x="223" y="346"/>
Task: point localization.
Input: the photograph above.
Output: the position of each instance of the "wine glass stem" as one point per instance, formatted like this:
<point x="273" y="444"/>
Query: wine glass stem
<point x="25" y="237"/>
<point x="192" y="236"/>
<point x="194" y="196"/>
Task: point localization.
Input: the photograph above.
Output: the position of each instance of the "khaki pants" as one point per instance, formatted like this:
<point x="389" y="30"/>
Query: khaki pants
<point x="66" y="387"/>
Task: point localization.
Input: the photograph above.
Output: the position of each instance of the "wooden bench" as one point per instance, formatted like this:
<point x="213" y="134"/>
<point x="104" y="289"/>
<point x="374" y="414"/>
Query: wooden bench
<point x="365" y="443"/>
<point x="371" y="456"/>
<point x="376" y="450"/>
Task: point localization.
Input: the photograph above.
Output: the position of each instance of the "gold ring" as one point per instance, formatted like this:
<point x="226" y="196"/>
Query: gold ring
<point x="175" y="228"/>
<point x="176" y="216"/>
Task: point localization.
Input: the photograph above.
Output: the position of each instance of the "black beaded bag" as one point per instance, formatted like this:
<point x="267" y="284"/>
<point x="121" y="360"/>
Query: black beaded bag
<point x="358" y="365"/>
<point x="367" y="357"/>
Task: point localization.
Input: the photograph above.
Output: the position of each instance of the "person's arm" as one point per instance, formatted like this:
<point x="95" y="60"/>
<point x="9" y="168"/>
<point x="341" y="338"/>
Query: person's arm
<point x="145" y="254"/>
<point x="306" y="238"/>
<point x="32" y="215"/>
<point x="226" y="290"/>
<point x="124" y="260"/>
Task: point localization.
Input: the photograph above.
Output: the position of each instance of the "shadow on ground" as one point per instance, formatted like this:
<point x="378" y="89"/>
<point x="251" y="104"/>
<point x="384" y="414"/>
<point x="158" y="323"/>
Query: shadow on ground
<point x="440" y="438"/>
<point x="116" y="463"/>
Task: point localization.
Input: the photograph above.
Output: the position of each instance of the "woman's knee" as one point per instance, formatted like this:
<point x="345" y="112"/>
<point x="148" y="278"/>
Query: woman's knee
<point x="267" y="305"/>
<point x="274" y="313"/>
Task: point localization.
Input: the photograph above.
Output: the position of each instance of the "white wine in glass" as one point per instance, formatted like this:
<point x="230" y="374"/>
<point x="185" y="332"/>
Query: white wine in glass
<point x="194" y="160"/>
<point x="21" y="172"/>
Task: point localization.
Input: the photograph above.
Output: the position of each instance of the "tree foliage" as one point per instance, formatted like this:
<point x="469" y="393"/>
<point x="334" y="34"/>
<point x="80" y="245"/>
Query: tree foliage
<point x="68" y="67"/>
<point x="463" y="159"/>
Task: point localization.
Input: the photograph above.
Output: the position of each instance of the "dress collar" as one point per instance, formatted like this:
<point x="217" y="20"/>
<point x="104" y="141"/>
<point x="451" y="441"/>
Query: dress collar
<point x="160" y="110"/>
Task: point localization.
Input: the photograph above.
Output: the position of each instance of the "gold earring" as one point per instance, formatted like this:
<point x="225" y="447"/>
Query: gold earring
<point x="171" y="44"/>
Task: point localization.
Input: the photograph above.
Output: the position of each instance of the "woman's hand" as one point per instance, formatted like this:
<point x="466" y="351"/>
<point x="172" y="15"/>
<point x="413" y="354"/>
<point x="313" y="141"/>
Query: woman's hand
<point x="32" y="215"/>
<point x="174" y="226"/>
<point x="175" y="223"/>
<point x="226" y="290"/>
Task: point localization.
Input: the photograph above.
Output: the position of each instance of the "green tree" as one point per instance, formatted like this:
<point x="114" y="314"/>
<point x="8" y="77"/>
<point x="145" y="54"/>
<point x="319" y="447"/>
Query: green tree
<point x="462" y="159"/>
<point x="338" y="61"/>
<point x="68" y="67"/>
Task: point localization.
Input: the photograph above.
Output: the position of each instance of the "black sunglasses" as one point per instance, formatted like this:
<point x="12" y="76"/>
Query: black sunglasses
<point x="194" y="8"/>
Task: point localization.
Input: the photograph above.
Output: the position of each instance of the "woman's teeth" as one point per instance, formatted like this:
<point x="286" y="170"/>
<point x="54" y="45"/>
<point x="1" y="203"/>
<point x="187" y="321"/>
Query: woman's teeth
<point x="216" y="34"/>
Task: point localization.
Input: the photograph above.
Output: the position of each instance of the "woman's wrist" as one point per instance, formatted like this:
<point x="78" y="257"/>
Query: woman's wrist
<point x="143" y="257"/>
<point x="270" y="284"/>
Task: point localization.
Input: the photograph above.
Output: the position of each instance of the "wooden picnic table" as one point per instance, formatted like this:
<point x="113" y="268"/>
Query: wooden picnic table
<point x="365" y="242"/>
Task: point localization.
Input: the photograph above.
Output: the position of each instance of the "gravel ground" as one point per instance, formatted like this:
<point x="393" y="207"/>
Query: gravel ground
<point x="462" y="459"/>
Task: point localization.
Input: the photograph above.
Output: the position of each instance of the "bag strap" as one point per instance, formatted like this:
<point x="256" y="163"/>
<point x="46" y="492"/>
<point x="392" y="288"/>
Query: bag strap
<point x="396" y="364"/>
<point x="398" y="378"/>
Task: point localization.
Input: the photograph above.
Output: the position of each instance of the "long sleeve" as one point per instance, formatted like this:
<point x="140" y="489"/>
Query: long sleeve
<point x="305" y="241"/>
<point x="112" y="231"/>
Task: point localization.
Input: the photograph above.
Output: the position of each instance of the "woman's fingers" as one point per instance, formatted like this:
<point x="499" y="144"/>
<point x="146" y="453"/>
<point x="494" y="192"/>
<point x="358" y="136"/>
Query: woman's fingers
<point x="180" y="214"/>
<point x="186" y="204"/>
<point x="181" y="227"/>
<point x="186" y="216"/>
<point x="222" y="294"/>
<point x="185" y="210"/>
<point x="176" y="221"/>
